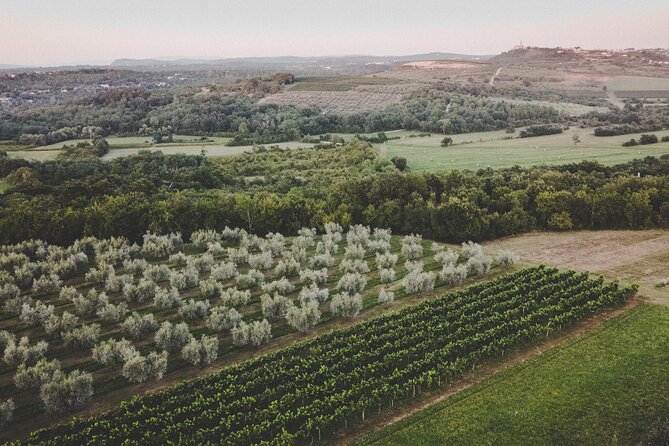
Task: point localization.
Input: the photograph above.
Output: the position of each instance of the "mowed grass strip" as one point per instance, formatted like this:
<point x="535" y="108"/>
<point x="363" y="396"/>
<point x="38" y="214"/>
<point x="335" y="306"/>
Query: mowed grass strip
<point x="606" y="387"/>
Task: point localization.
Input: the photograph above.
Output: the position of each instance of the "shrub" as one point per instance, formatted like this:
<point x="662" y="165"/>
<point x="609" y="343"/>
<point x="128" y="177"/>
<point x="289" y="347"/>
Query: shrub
<point x="378" y="246"/>
<point x="172" y="337"/>
<point x="24" y="353"/>
<point x="201" y="352"/>
<point x="178" y="260"/>
<point x="6" y="412"/>
<point x="224" y="271"/>
<point x="281" y="286"/>
<point x="665" y="138"/>
<point x="352" y="283"/>
<point x="137" y="326"/>
<point x="100" y="274"/>
<point x="299" y="254"/>
<point x="232" y="297"/>
<point x="446" y="257"/>
<point x="648" y="139"/>
<point x="187" y="278"/>
<point x="418" y="282"/>
<point x="216" y="249"/>
<point x="254" y="333"/>
<point x="478" y="265"/>
<point x="386" y="260"/>
<point x="6" y="338"/>
<point x="471" y="249"/>
<point x="203" y="237"/>
<point x="158" y="273"/>
<point x="276" y="243"/>
<point x="210" y="289"/>
<point x="354" y="266"/>
<point x="68" y="293"/>
<point x="261" y="261"/>
<point x="222" y="318"/>
<point x="160" y="246"/>
<point x="358" y="235"/>
<point x="144" y="291"/>
<point x="385" y="296"/>
<point x="9" y="291"/>
<point x="506" y="258"/>
<point x="304" y="317"/>
<point x="59" y="325"/>
<point x="540" y="130"/>
<point x="135" y="267"/>
<point x="33" y="377"/>
<point x="412" y="266"/>
<point x="138" y="368"/>
<point x="113" y="313"/>
<point x="332" y="228"/>
<point x="192" y="310"/>
<point x="560" y="221"/>
<point x="387" y="275"/>
<point x="346" y="305"/>
<point x="251" y="279"/>
<point x="115" y="284"/>
<point x="113" y="352"/>
<point x="324" y="260"/>
<point x="412" y="250"/>
<point x="89" y="304"/>
<point x="36" y="315"/>
<point x="452" y="274"/>
<point x="232" y="234"/>
<point x="203" y="263"/>
<point x="166" y="298"/>
<point x="15" y="304"/>
<point x="287" y="267"/>
<point x="47" y="284"/>
<point x="314" y="276"/>
<point x="85" y="336"/>
<point x="274" y="306"/>
<point x="312" y="292"/>
<point x="67" y="391"/>
<point x="238" y="256"/>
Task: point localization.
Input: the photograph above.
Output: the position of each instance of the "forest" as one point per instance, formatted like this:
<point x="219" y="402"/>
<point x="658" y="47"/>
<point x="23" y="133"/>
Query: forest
<point x="272" y="189"/>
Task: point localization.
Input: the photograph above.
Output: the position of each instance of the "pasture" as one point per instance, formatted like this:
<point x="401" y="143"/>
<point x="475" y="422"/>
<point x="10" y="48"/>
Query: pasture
<point x="497" y="150"/>
<point x="608" y="386"/>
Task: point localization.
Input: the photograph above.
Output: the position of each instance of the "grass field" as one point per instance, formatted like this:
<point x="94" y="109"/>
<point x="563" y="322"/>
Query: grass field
<point x="605" y="387"/>
<point x="124" y="142"/>
<point x="494" y="149"/>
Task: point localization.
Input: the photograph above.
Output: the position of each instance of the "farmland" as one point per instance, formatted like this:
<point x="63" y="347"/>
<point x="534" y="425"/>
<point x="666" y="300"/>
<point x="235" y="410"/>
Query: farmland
<point x="551" y="300"/>
<point x="99" y="303"/>
<point x="606" y="386"/>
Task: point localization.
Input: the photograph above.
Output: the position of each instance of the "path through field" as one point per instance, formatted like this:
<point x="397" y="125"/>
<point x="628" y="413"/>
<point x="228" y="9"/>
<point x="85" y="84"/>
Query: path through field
<point x="492" y="79"/>
<point x="638" y="256"/>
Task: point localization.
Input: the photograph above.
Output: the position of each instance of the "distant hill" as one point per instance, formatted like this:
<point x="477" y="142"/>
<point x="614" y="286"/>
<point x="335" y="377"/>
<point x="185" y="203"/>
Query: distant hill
<point x="287" y="62"/>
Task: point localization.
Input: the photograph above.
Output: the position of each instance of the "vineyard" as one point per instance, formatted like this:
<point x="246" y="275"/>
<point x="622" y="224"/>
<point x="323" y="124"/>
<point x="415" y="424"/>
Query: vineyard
<point x="310" y="390"/>
<point x="96" y="317"/>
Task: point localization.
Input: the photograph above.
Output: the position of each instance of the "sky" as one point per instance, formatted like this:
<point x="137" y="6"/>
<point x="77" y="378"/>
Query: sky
<point x="53" y="32"/>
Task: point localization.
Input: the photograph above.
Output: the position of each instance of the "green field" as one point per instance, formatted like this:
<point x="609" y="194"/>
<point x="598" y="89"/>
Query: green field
<point x="124" y="142"/>
<point x="604" y="388"/>
<point x="338" y="83"/>
<point x="495" y="149"/>
<point x="3" y="186"/>
<point x="628" y="83"/>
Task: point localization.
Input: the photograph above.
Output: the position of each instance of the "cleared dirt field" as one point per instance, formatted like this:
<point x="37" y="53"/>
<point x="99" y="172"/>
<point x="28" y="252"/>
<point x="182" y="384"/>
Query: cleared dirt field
<point x="639" y="256"/>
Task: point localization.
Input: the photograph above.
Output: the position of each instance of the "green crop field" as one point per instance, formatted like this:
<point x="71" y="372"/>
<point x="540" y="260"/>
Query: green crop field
<point x="627" y="83"/>
<point x="495" y="149"/>
<point x="606" y="387"/>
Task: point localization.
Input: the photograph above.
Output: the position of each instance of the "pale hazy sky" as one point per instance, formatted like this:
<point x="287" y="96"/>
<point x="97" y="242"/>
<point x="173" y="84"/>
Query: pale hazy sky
<point x="50" y="32"/>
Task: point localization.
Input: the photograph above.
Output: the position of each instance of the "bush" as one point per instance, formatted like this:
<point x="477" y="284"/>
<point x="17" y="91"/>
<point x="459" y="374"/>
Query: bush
<point x="178" y="260"/>
<point x="665" y="138"/>
<point x="192" y="310"/>
<point x="354" y="266"/>
<point x="346" y="305"/>
<point x="251" y="279"/>
<point x="648" y="139"/>
<point x="59" y="325"/>
<point x="9" y="291"/>
<point x="387" y="275"/>
<point x="281" y="286"/>
<point x="261" y="261"/>
<point x="324" y="260"/>
<point x="210" y="289"/>
<point x="135" y="267"/>
<point x="113" y="313"/>
<point x="33" y="377"/>
<point x="6" y="338"/>
<point x="304" y="317"/>
<point x="203" y="237"/>
<point x="224" y="271"/>
<point x="172" y="337"/>
<point x="85" y="336"/>
<point x="446" y="257"/>
<point x="418" y="282"/>
<point x="158" y="273"/>
<point x="358" y="235"/>
<point x="232" y="297"/>
<point x="631" y="143"/>
<point x="6" y="412"/>
<point x="68" y="293"/>
<point x="385" y="296"/>
<point x="89" y="304"/>
<point x="115" y="284"/>
<point x="160" y="246"/>
<point x="447" y="141"/>
<point x="386" y="260"/>
<point x="222" y="318"/>
<point x="203" y="263"/>
<point x="138" y="368"/>
<point x="24" y="353"/>
<point x="412" y="251"/>
<point x="201" y="352"/>
<point x="188" y="278"/>
<point x="255" y="333"/>
<point x="318" y="276"/>
<point x="312" y="292"/>
<point x="137" y="326"/>
<point x="560" y="221"/>
<point x="540" y="130"/>
<point x="67" y="391"/>
<point x="166" y="298"/>
<point x="478" y="265"/>
<point x="471" y="249"/>
<point x="506" y="258"/>
<point x="451" y="274"/>
<point x="47" y="284"/>
<point x="352" y="283"/>
<point x="35" y="315"/>
<point x="356" y="251"/>
<point x="238" y="256"/>
<point x="144" y="291"/>
<point x="113" y="352"/>
<point x="274" y="306"/>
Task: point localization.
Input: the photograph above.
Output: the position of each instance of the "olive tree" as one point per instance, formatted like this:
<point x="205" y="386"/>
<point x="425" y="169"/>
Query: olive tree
<point x="281" y="286"/>
<point x="352" y="283"/>
<point x="304" y="317"/>
<point x="113" y="352"/>
<point x="252" y="278"/>
<point x="385" y="296"/>
<point x="24" y="353"/>
<point x="166" y="298"/>
<point x="274" y="306"/>
<point x="201" y="352"/>
<point x="6" y="412"/>
<point x="67" y="391"/>
<point x="346" y="305"/>
<point x="171" y="336"/>
<point x="232" y="297"/>
<point x="254" y="333"/>
<point x="137" y="326"/>
<point x="317" y="276"/>
<point x="37" y="314"/>
<point x="138" y="368"/>
<point x="418" y="281"/>
<point x="59" y="325"/>
<point x="387" y="275"/>
<point x="33" y="377"/>
<point x="224" y="271"/>
<point x="287" y="267"/>
<point x="85" y="336"/>
<point x="313" y="293"/>
<point x="192" y="309"/>
<point x="222" y="318"/>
